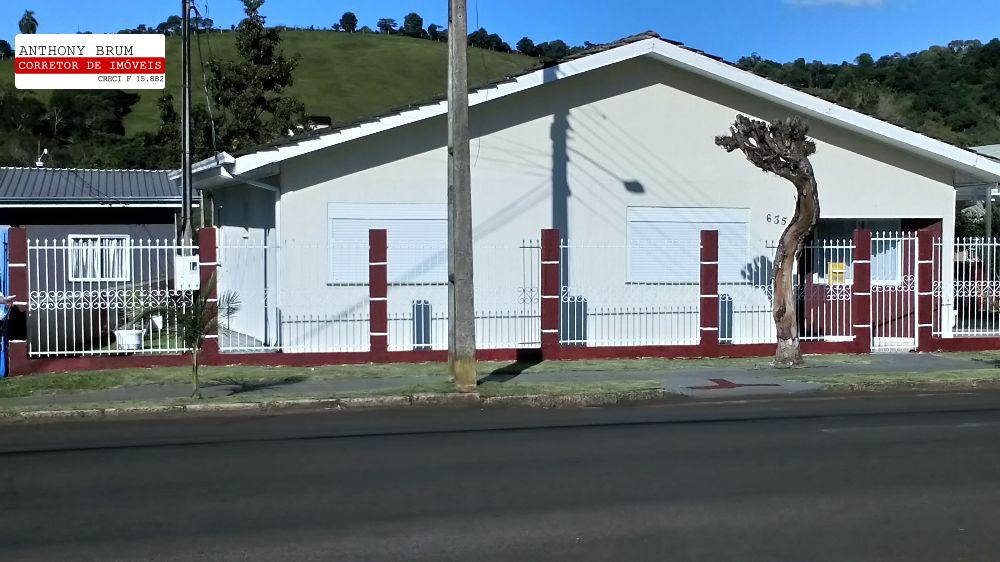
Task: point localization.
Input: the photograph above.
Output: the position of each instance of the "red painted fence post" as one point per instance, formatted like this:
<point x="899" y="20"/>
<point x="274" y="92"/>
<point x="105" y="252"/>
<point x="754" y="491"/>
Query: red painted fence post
<point x="925" y="290"/>
<point x="208" y="266"/>
<point x="17" y="264"/>
<point x="550" y="292"/>
<point x="378" y="290"/>
<point x="861" y="291"/>
<point x="709" y="291"/>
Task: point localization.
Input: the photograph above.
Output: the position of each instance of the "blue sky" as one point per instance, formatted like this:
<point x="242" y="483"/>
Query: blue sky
<point x="829" y="30"/>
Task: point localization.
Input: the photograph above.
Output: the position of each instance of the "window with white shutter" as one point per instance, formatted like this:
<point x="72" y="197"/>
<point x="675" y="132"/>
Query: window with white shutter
<point x="664" y="243"/>
<point x="417" y="234"/>
<point x="99" y="257"/>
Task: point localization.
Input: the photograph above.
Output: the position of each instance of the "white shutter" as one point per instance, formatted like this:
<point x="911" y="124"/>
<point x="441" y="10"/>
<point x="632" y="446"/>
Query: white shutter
<point x="417" y="234"/>
<point x="349" y="250"/>
<point x="665" y="243"/>
<point x="663" y="252"/>
<point x="418" y="250"/>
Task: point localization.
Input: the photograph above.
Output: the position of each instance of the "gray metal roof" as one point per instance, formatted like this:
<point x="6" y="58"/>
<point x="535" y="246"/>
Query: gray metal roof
<point x="66" y="186"/>
<point x="991" y="150"/>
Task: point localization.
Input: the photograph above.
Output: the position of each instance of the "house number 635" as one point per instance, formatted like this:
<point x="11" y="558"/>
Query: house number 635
<point x="777" y="219"/>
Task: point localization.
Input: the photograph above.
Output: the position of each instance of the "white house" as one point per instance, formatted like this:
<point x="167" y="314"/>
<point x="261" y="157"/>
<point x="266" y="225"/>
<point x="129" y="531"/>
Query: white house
<point x="616" y="149"/>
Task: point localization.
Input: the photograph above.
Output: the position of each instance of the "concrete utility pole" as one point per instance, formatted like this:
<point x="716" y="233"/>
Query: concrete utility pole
<point x="185" y="232"/>
<point x="461" y="312"/>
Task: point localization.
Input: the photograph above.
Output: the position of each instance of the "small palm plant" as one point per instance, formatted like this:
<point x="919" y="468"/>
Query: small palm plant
<point x="193" y="323"/>
<point x="229" y="306"/>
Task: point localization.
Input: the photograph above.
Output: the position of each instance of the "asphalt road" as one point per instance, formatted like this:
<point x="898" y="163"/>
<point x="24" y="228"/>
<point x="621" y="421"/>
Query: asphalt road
<point x="889" y="478"/>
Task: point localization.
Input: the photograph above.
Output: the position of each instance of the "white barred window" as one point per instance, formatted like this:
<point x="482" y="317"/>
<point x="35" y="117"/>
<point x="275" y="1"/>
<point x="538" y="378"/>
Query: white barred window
<point x="99" y="257"/>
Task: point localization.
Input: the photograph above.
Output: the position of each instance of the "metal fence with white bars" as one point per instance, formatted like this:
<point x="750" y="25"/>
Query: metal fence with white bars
<point x="507" y="296"/>
<point x="606" y="300"/>
<point x="319" y="302"/>
<point x="821" y="286"/>
<point x="893" y="291"/>
<point x="293" y="296"/>
<point x="93" y="294"/>
<point x="975" y="295"/>
<point x="105" y="295"/>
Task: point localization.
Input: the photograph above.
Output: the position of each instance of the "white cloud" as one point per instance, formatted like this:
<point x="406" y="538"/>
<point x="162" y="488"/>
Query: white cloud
<point x="848" y="3"/>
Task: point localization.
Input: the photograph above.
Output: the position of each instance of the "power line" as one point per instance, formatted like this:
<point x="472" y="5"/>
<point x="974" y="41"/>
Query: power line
<point x="204" y="80"/>
<point x="97" y="192"/>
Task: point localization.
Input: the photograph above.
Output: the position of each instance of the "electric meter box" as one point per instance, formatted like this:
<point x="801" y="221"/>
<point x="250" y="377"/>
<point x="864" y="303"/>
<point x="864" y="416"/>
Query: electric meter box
<point x="838" y="272"/>
<point x="187" y="277"/>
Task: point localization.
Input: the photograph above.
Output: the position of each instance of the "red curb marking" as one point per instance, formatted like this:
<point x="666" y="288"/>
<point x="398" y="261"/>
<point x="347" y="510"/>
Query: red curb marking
<point x="723" y="384"/>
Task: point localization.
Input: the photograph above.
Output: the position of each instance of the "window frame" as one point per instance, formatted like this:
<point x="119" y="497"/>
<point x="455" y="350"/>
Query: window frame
<point x="73" y="239"/>
<point x="898" y="280"/>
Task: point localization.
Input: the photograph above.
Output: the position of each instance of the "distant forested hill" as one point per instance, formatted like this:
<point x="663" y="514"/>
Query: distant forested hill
<point x="951" y="93"/>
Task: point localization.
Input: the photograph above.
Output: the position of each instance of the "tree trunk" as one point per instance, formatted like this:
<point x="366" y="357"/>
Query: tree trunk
<point x="782" y="148"/>
<point x="783" y="307"/>
<point x="195" y="385"/>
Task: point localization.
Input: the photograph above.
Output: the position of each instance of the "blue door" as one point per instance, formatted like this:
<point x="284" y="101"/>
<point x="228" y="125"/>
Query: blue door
<point x="4" y="284"/>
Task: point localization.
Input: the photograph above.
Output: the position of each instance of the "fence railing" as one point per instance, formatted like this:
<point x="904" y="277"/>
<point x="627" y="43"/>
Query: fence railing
<point x="93" y="294"/>
<point x="821" y="286"/>
<point x="606" y="300"/>
<point x="893" y="291"/>
<point x="507" y="296"/>
<point x="973" y="294"/>
<point x="105" y="295"/>
<point x="316" y="333"/>
<point x="421" y="330"/>
<point x="320" y="304"/>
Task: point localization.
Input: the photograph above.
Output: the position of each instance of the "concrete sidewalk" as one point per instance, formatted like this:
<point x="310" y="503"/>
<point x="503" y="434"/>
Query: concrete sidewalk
<point x="723" y="381"/>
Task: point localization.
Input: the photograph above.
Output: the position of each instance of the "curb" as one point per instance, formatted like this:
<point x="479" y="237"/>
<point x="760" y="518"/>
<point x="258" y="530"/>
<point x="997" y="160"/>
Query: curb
<point x="344" y="404"/>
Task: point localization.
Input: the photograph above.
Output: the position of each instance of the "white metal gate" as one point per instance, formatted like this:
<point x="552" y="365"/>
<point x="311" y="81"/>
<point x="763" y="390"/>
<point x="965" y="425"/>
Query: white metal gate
<point x="894" y="292"/>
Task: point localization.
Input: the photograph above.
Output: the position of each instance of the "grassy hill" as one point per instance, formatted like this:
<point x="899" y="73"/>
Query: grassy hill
<point x="345" y="76"/>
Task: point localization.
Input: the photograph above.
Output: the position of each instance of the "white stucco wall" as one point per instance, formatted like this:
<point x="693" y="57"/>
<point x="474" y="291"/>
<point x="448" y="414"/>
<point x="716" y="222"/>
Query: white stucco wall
<point x="248" y="264"/>
<point x="575" y="154"/>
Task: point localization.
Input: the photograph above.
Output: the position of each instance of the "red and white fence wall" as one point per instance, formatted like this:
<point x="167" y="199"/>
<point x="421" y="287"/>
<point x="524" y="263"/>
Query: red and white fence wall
<point x="544" y="299"/>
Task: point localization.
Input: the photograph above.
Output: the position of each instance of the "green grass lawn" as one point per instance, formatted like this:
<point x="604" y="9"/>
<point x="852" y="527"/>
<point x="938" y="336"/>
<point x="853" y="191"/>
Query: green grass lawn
<point x="418" y="378"/>
<point x="863" y="381"/>
<point x="341" y="75"/>
<point x="51" y="383"/>
<point x="434" y="372"/>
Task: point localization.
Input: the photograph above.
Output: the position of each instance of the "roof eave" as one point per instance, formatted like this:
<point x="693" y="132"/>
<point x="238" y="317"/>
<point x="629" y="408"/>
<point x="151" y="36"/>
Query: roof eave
<point x="820" y="109"/>
<point x="664" y="51"/>
<point x="248" y="163"/>
<point x="220" y="160"/>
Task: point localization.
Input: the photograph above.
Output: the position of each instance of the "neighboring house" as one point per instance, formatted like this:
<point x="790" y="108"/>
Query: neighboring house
<point x="972" y="190"/>
<point x="90" y="232"/>
<point x="616" y="149"/>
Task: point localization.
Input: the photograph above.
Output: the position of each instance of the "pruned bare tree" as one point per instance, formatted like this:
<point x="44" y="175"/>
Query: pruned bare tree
<point x="782" y="148"/>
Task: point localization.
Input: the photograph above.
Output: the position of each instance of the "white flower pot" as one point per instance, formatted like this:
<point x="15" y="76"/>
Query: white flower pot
<point x="157" y="320"/>
<point x="129" y="339"/>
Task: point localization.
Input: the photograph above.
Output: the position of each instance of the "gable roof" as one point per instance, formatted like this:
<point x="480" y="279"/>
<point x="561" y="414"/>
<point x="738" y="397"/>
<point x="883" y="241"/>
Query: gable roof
<point x="253" y="163"/>
<point x="87" y="187"/>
